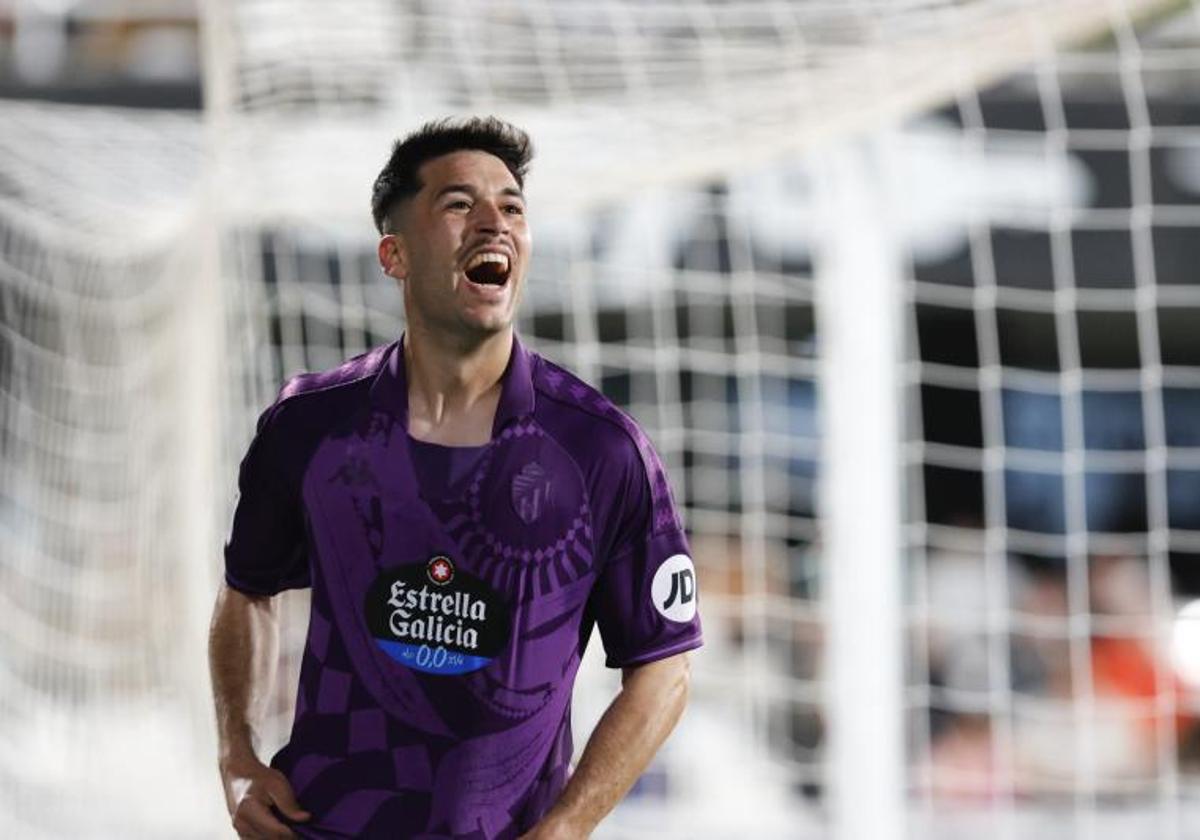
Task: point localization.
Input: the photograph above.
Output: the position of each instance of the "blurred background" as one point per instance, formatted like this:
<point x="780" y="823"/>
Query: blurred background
<point x="906" y="293"/>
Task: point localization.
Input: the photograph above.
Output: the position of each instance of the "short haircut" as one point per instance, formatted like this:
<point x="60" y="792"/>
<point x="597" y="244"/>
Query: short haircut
<point x="398" y="180"/>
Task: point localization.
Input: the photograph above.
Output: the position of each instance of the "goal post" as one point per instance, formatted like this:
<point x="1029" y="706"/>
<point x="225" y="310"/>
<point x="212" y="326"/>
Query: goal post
<point x="859" y="305"/>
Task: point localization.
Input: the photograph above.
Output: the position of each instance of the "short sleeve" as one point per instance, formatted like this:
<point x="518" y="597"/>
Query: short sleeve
<point x="645" y="601"/>
<point x="266" y="551"/>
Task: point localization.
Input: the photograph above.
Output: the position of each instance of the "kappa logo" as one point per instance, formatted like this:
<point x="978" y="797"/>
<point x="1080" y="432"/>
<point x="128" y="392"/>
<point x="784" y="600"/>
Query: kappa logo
<point x="673" y="589"/>
<point x="530" y="492"/>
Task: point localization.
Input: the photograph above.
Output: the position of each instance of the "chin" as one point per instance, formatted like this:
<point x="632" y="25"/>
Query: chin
<point x="487" y="327"/>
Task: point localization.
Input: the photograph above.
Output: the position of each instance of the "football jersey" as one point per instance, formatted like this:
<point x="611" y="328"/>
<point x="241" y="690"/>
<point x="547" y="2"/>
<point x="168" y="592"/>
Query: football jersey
<point x="449" y="616"/>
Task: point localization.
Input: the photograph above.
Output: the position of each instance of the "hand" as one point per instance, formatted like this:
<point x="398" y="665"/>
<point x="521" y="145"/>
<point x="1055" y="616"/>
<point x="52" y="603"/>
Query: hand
<point x="251" y="788"/>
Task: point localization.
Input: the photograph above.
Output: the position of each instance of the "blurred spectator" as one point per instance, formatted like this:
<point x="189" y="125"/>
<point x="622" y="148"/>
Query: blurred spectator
<point x="1129" y="684"/>
<point x="145" y="53"/>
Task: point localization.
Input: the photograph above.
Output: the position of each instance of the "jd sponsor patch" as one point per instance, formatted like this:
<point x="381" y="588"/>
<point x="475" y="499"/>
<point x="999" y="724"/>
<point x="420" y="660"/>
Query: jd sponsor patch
<point x="435" y="618"/>
<point x="673" y="589"/>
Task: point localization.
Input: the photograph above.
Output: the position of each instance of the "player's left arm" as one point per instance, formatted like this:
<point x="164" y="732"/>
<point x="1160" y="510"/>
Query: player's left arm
<point x="634" y="726"/>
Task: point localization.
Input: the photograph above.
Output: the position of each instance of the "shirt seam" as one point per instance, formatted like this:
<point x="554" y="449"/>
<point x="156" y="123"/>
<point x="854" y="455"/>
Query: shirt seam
<point x="324" y="388"/>
<point x="652" y="530"/>
<point x="628" y="552"/>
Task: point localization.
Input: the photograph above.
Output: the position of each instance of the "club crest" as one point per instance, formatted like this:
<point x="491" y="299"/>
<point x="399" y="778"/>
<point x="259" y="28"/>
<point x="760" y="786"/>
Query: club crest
<point x="530" y="492"/>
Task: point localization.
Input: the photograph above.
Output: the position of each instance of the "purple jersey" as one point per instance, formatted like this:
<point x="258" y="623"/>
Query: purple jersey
<point x="449" y="614"/>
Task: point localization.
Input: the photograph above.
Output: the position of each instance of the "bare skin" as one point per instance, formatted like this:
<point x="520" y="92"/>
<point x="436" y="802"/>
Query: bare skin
<point x="631" y="731"/>
<point x="459" y="336"/>
<point x="457" y="344"/>
<point x="243" y="647"/>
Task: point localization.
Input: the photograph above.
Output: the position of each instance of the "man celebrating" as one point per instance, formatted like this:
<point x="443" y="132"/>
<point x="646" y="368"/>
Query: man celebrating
<point x="464" y="512"/>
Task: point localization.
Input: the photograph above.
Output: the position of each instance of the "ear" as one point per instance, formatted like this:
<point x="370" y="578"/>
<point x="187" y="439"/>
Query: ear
<point x="393" y="257"/>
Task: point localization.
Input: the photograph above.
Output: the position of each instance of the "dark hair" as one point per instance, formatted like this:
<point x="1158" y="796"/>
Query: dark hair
<point x="398" y="180"/>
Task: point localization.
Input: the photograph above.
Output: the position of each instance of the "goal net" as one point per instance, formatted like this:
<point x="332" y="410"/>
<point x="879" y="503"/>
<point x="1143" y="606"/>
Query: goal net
<point x="902" y="290"/>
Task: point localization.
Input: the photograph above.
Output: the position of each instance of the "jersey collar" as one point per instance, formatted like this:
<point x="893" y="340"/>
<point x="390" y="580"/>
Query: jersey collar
<point x="390" y="389"/>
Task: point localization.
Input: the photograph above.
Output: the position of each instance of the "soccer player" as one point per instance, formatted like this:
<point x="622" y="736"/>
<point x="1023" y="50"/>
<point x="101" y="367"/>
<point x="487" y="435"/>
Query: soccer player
<point x="465" y="512"/>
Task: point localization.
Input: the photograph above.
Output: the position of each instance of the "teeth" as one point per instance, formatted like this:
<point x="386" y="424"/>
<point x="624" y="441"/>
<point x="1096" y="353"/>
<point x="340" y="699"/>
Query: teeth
<point x="487" y="256"/>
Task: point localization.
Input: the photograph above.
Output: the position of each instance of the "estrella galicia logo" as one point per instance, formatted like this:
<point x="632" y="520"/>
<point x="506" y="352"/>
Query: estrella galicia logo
<point x="530" y="491"/>
<point x="434" y="618"/>
<point x="673" y="589"/>
<point x="440" y="570"/>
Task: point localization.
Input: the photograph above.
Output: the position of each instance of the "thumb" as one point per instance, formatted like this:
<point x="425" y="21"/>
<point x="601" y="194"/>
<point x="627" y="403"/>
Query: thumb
<point x="283" y="799"/>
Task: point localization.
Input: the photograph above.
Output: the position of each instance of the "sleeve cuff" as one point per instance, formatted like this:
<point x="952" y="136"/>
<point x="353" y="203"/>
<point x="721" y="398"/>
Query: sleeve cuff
<point x="248" y="589"/>
<point x="654" y="654"/>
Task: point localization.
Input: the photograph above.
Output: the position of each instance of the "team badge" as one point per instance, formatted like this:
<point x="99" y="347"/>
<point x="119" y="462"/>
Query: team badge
<point x="530" y="492"/>
<point x="673" y="590"/>
<point x="434" y="618"/>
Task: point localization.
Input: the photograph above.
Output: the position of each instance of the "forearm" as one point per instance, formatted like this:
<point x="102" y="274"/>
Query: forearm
<point x="631" y="731"/>
<point x="242" y="651"/>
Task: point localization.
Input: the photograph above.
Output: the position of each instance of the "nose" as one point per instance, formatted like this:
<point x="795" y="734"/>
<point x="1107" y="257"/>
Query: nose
<point x="489" y="218"/>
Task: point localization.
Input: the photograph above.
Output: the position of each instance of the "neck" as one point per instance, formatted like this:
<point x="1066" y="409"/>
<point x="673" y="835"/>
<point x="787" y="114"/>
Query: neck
<point x="451" y="382"/>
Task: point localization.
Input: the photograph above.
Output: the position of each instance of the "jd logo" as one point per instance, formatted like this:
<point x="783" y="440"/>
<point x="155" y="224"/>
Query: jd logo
<point x="683" y="588"/>
<point x="673" y="589"/>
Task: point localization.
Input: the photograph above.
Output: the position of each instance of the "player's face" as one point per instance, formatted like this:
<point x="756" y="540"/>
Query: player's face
<point x="463" y="246"/>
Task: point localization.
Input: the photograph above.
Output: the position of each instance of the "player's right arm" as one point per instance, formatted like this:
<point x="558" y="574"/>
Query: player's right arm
<point x="243" y="648"/>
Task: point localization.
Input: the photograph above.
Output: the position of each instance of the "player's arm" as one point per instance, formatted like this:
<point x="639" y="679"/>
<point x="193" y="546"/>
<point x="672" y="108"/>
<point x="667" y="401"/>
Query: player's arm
<point x="634" y="726"/>
<point x="242" y="650"/>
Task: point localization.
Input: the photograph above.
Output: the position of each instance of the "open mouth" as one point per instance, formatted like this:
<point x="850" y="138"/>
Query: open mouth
<point x="488" y="269"/>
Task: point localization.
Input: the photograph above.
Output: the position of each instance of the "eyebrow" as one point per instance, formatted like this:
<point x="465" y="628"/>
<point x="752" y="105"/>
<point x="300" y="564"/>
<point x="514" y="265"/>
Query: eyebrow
<point x="470" y="190"/>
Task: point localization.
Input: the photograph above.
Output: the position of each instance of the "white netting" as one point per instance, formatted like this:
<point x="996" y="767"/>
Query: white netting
<point x="677" y="218"/>
<point x="1052" y="531"/>
<point x="103" y="628"/>
<point x="657" y="92"/>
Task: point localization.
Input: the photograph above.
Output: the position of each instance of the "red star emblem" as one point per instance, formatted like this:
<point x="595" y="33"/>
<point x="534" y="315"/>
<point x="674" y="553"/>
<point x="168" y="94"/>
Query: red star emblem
<point x="440" y="570"/>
